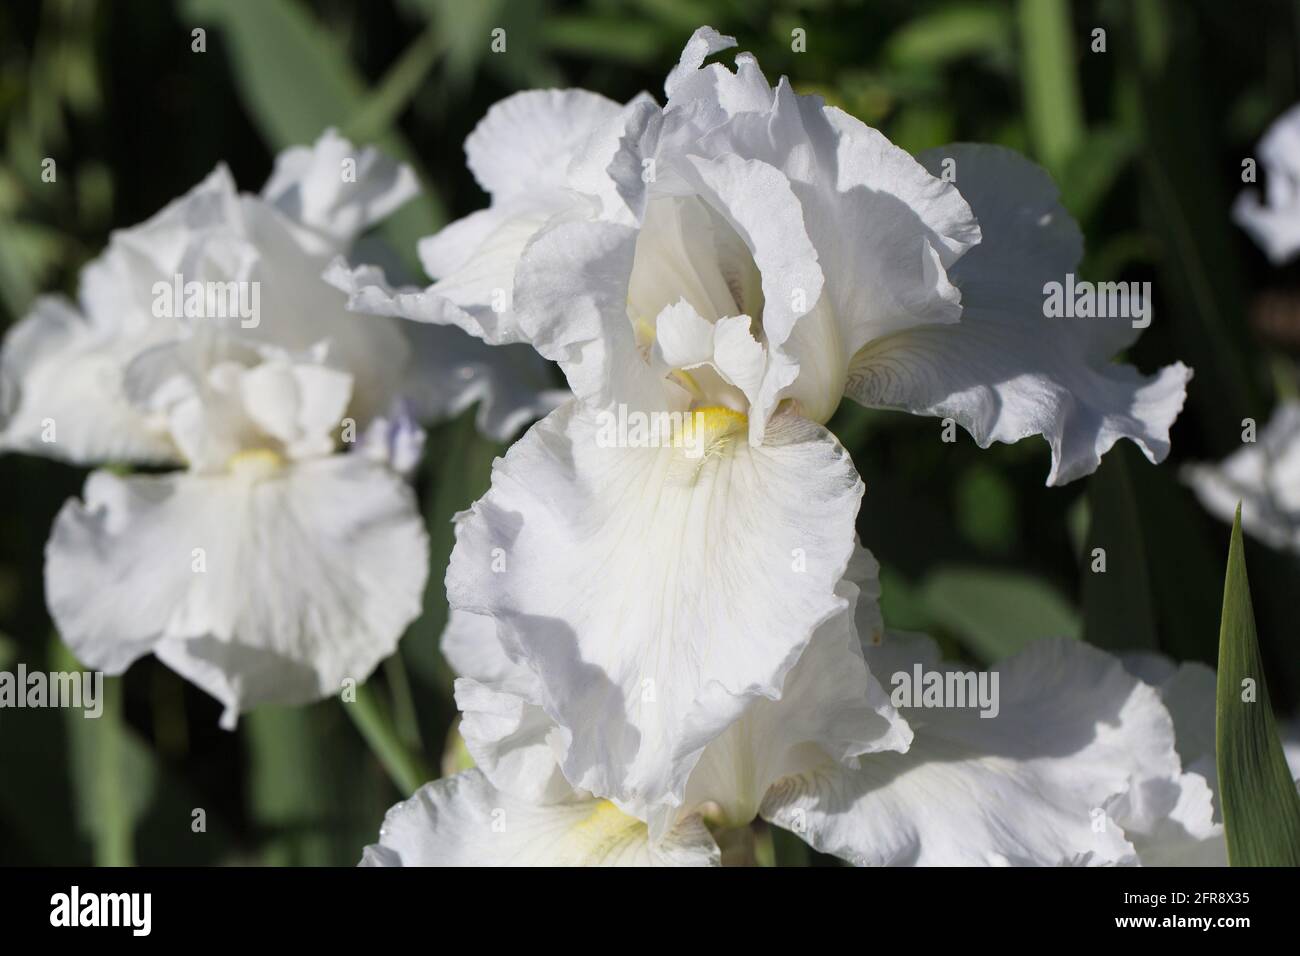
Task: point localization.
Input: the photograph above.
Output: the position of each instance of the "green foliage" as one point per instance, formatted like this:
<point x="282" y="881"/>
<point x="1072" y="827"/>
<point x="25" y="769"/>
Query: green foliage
<point x="298" y="81"/>
<point x="1261" y="811"/>
<point x="996" y="613"/>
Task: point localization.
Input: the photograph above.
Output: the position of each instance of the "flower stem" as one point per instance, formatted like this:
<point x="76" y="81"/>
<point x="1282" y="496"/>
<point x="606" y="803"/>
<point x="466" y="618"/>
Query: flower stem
<point x="113" y="818"/>
<point x="404" y="713"/>
<point x="407" y="769"/>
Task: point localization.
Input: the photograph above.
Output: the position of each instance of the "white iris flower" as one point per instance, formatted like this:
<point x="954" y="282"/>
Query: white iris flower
<point x="285" y="553"/>
<point x="747" y="256"/>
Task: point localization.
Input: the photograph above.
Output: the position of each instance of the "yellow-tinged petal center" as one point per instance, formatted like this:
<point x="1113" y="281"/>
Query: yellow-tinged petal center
<point x="705" y="433"/>
<point x="605" y="830"/>
<point x="719" y="421"/>
<point x="255" y="463"/>
<point x="716" y="426"/>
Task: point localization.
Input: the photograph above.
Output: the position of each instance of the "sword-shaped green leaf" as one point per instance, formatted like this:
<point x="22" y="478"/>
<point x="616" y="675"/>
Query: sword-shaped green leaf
<point x="1261" y="811"/>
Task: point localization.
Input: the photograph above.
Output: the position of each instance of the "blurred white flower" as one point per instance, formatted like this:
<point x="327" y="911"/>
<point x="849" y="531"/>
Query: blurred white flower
<point x="1274" y="220"/>
<point x="1264" y="476"/>
<point x="287" y="554"/>
<point x="272" y="568"/>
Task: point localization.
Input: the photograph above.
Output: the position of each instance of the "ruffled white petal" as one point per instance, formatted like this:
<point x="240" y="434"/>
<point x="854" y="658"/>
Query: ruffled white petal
<point x="511" y="385"/>
<point x="756" y="201"/>
<point x="654" y="595"/>
<point x="505" y="729"/>
<point x="1174" y="821"/>
<point x="1026" y="787"/>
<point x="260" y="585"/>
<point x="1264" y="476"/>
<point x="62" y="392"/>
<point x="830" y="706"/>
<point x="884" y="230"/>
<point x="464" y="821"/>
<point x="519" y="153"/>
<point x="335" y="190"/>
<point x="714" y="93"/>
<point x="68" y="366"/>
<point x="478" y="294"/>
<point x="469" y="643"/>
<point x="512" y="740"/>
<point x="526" y="141"/>
<point x="572" y="295"/>
<point x="1006" y="371"/>
<point x="301" y="313"/>
<point x="703" y="43"/>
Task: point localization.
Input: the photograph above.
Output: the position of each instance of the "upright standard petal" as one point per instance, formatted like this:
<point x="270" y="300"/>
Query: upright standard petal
<point x="1027" y="786"/>
<point x="527" y="141"/>
<point x="465" y="821"/>
<point x="335" y="190"/>
<point x="519" y="153"/>
<point x="884" y="229"/>
<point x="271" y="583"/>
<point x="1006" y="370"/>
<point x="654" y="594"/>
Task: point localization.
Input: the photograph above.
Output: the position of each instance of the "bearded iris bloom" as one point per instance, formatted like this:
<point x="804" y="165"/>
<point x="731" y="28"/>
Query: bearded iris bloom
<point x="752" y="256"/>
<point x="285" y="553"/>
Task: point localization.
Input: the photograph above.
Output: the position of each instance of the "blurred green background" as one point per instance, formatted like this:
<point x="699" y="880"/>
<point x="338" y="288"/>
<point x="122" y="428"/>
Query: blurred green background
<point x="1146" y="140"/>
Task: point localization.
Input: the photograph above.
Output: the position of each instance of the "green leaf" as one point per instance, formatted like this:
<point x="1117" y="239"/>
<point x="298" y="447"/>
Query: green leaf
<point x="603" y="38"/>
<point x="1261" y="811"/>
<point x="383" y="107"/>
<point x="953" y="32"/>
<point x="28" y="254"/>
<point x="1157" y="591"/>
<point x="1092" y="169"/>
<point x="787" y="848"/>
<point x="1053" y="105"/>
<point x="986" y="509"/>
<point x="113" y="773"/>
<point x="293" y="76"/>
<point x="373" y="719"/>
<point x="1119" y="611"/>
<point x="315" y="792"/>
<point x="996" y="613"/>
<point x="295" y="81"/>
<point x="468" y="32"/>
